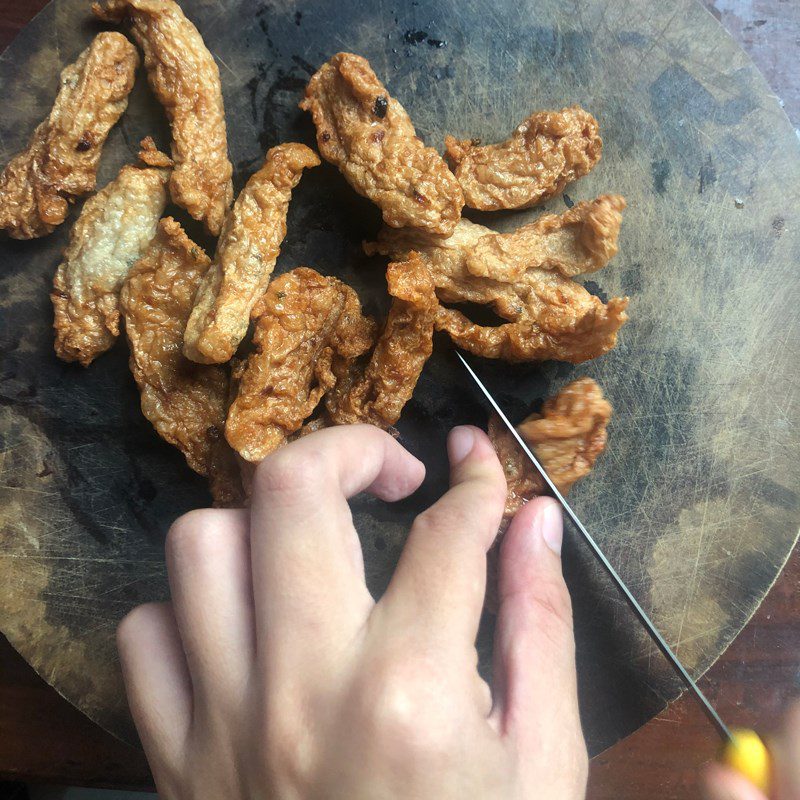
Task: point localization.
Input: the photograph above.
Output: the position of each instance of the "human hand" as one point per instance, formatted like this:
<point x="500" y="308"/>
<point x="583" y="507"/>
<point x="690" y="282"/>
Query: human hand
<point x="723" y="783"/>
<point x="274" y="674"/>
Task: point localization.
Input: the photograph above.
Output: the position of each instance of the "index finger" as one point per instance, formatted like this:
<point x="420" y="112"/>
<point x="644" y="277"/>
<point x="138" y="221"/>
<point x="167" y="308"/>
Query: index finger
<point x="308" y="573"/>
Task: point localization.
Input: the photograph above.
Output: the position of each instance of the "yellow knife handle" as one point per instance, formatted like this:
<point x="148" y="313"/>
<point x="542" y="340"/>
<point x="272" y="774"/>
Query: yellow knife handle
<point x="747" y="754"/>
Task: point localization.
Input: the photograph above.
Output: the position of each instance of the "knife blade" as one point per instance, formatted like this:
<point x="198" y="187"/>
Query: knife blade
<point x="715" y="719"/>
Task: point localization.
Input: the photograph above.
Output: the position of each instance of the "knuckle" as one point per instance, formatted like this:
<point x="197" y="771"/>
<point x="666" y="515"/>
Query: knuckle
<point x="283" y="748"/>
<point x="436" y="518"/>
<point x="192" y="535"/>
<point x="471" y="506"/>
<point x="134" y="625"/>
<point x="290" y="470"/>
<point x="404" y="714"/>
<point x="490" y="495"/>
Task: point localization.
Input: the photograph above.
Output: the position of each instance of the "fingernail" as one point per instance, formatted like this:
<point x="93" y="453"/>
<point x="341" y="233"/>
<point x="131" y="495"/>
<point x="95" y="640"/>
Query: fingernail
<point x="549" y="524"/>
<point x="460" y="444"/>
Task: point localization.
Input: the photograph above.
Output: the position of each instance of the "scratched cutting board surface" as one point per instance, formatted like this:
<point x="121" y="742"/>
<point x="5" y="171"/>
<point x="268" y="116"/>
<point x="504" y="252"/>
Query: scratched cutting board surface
<point x="696" y="497"/>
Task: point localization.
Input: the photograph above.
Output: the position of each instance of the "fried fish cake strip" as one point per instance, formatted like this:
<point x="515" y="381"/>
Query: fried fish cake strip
<point x="112" y="232"/>
<point x="185" y="402"/>
<point x="583" y="239"/>
<point x="61" y="160"/>
<point x="546" y="152"/>
<point x="246" y="254"/>
<point x="549" y="316"/>
<point x="567" y="437"/>
<point x="301" y="322"/>
<point x="369" y="136"/>
<point x="185" y="79"/>
<point x="376" y="394"/>
<point x="523" y="482"/>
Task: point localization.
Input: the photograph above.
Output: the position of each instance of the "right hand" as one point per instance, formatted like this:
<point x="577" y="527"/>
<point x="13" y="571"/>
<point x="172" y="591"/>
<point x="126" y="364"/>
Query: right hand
<point x="723" y="783"/>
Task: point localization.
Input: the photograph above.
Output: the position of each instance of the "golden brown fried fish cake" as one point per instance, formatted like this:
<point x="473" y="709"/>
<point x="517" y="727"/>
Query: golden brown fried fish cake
<point x="149" y="154"/>
<point x="112" y="232"/>
<point x="376" y="394"/>
<point x="185" y="402"/>
<point x="301" y="322"/>
<point x="582" y="240"/>
<point x="567" y="437"/>
<point x="551" y="319"/>
<point x="369" y="136"/>
<point x="61" y="160"/>
<point x="245" y="257"/>
<point x="549" y="316"/>
<point x="523" y="482"/>
<point x="185" y="79"/>
<point x="546" y="152"/>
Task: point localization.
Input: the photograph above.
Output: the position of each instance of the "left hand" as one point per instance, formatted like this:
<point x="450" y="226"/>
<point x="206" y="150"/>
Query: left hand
<point x="274" y="674"/>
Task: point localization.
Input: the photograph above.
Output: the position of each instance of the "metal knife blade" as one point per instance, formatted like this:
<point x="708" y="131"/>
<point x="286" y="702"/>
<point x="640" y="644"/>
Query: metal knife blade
<point x="658" y="639"/>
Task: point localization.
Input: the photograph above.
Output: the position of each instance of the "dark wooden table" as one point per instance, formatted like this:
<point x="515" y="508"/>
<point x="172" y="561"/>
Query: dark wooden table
<point x="46" y="740"/>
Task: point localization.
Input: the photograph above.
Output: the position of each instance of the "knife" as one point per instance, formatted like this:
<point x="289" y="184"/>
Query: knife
<point x="754" y="763"/>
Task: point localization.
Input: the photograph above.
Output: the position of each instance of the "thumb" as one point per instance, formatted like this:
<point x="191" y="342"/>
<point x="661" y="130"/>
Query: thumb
<point x="535" y="680"/>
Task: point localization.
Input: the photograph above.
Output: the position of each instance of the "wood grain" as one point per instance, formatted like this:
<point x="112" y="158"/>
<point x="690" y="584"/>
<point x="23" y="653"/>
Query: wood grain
<point x="673" y="772"/>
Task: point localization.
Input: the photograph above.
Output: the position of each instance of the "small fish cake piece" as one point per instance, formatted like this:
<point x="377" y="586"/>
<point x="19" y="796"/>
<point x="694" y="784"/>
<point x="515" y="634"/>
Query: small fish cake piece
<point x="567" y="437"/>
<point x="546" y="152"/>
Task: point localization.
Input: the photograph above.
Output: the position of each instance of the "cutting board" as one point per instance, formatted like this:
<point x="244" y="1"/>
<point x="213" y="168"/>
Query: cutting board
<point x="695" y="500"/>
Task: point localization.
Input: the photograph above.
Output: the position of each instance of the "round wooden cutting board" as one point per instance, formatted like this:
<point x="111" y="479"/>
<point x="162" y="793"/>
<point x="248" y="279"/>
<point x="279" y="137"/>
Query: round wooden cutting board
<point x="696" y="497"/>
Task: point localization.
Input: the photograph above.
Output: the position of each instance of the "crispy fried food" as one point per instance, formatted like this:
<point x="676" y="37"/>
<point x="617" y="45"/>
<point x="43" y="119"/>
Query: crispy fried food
<point x="522" y="480"/>
<point x="60" y="162"/>
<point x="246" y="254"/>
<point x="546" y="152"/>
<point x="113" y="231"/>
<point x="149" y="154"/>
<point x="567" y="437"/>
<point x="185" y="79"/>
<point x="376" y="394"/>
<point x="369" y="136"/>
<point x="185" y="402"/>
<point x="549" y="315"/>
<point x="582" y="240"/>
<point x="302" y="322"/>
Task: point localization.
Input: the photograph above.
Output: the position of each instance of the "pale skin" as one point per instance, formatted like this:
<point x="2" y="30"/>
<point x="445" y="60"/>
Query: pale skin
<point x="722" y="783"/>
<point x="273" y="673"/>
